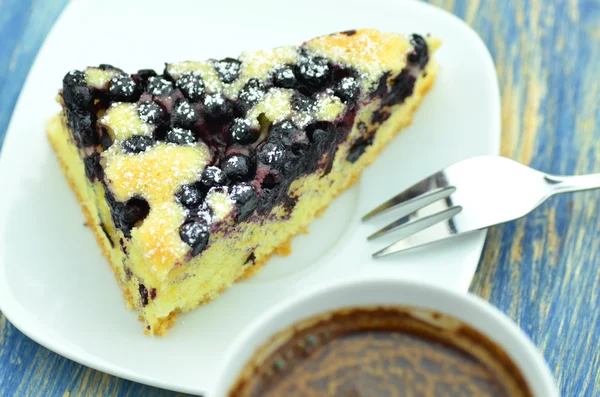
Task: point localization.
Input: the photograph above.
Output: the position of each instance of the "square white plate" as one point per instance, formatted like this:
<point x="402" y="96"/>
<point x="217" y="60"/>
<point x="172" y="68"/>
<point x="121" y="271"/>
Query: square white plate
<point x="57" y="288"/>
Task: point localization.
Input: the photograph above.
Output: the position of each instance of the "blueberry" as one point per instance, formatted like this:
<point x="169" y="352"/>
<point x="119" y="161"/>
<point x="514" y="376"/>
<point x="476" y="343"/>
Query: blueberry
<point x="189" y="195"/>
<point x="213" y="176"/>
<point x="245" y="200"/>
<point x="319" y="136"/>
<point x="181" y="136"/>
<point x="252" y="93"/>
<point x="151" y="112"/>
<point x="289" y="135"/>
<point x="284" y="77"/>
<point x="128" y="214"/>
<point x="158" y="86"/>
<point x="76" y="93"/>
<point x="137" y="144"/>
<point x="238" y="168"/>
<point x="144" y="75"/>
<point x="228" y="69"/>
<point x="184" y="115"/>
<point x="241" y="132"/>
<point x="74" y="77"/>
<point x="83" y="124"/>
<point x="347" y="89"/>
<point x="303" y="103"/>
<point x="283" y="129"/>
<point x="191" y="85"/>
<point x="215" y="105"/>
<point x="271" y="153"/>
<point x="195" y="234"/>
<point x="420" y="54"/>
<point x="122" y="88"/>
<point x="314" y="71"/>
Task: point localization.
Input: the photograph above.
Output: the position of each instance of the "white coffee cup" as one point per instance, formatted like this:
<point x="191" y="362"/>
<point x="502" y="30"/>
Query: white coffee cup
<point x="369" y="292"/>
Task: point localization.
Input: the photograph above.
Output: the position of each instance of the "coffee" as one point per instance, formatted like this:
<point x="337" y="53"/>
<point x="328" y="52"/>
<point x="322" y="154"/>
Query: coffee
<point x="380" y="351"/>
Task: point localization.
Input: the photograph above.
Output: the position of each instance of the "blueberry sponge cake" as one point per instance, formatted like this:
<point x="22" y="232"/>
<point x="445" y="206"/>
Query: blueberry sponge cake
<point x="191" y="179"/>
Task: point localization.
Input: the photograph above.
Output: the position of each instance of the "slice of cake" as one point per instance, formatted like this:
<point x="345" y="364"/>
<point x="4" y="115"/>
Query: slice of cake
<point x="192" y="179"/>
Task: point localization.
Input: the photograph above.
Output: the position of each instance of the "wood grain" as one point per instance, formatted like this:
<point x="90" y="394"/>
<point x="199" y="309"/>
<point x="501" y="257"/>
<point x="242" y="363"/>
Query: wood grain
<point x="542" y="271"/>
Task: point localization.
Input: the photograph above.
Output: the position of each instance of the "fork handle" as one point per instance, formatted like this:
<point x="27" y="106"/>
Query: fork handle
<point x="576" y="183"/>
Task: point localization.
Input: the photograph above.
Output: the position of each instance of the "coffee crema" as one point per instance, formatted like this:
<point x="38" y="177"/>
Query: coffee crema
<point x="385" y="351"/>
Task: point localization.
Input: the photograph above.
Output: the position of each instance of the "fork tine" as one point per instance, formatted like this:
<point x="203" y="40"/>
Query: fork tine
<point x="404" y="245"/>
<point x="408" y="207"/>
<point x="411" y="228"/>
<point x="431" y="185"/>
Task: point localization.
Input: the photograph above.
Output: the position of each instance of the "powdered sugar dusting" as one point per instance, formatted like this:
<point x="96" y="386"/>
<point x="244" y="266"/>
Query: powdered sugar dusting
<point x="155" y="174"/>
<point x="205" y="70"/>
<point x="219" y="202"/>
<point x="159" y="236"/>
<point x="369" y="51"/>
<point x="99" y="78"/>
<point x="275" y="106"/>
<point x="123" y="121"/>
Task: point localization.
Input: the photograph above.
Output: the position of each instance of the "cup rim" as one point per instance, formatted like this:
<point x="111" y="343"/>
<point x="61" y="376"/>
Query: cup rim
<point x="538" y="376"/>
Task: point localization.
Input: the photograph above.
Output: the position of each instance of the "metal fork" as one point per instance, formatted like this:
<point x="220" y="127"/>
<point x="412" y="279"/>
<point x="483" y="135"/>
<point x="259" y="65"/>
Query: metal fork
<point x="470" y="195"/>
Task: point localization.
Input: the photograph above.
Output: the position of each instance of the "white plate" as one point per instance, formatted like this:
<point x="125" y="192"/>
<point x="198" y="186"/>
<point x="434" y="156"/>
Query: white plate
<point x="57" y="288"/>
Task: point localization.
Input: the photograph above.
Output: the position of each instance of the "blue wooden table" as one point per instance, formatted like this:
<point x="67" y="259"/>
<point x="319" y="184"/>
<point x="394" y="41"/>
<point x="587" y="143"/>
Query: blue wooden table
<point x="542" y="271"/>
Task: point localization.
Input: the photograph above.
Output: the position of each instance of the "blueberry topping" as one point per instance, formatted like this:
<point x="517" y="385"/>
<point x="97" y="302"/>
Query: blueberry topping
<point x="215" y="105"/>
<point x="319" y="136"/>
<point x="106" y="140"/>
<point x="92" y="166"/>
<point x="143" y="75"/>
<point x="213" y="176"/>
<point x="271" y="153"/>
<point x="122" y="88"/>
<point x="151" y="112"/>
<point x="181" y="136"/>
<point x="158" y="86"/>
<point x="82" y="122"/>
<point x="420" y="55"/>
<point x="195" y="234"/>
<point x="241" y="132"/>
<point x="347" y="89"/>
<point x="251" y="94"/>
<point x="284" y="77"/>
<point x="283" y="129"/>
<point x="189" y="196"/>
<point x="314" y="71"/>
<point x="191" y="85"/>
<point x="137" y="144"/>
<point x="245" y="200"/>
<point x="76" y="93"/>
<point x="184" y="115"/>
<point x="228" y="69"/>
<point x="289" y="135"/>
<point x="302" y="103"/>
<point x="238" y="168"/>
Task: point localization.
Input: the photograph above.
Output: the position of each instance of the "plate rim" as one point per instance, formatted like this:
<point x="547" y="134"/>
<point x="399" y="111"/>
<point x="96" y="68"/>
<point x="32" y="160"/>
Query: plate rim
<point x="25" y="322"/>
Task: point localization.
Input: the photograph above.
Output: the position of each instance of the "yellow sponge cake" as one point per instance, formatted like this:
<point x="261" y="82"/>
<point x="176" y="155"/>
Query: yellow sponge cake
<point x="191" y="179"/>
